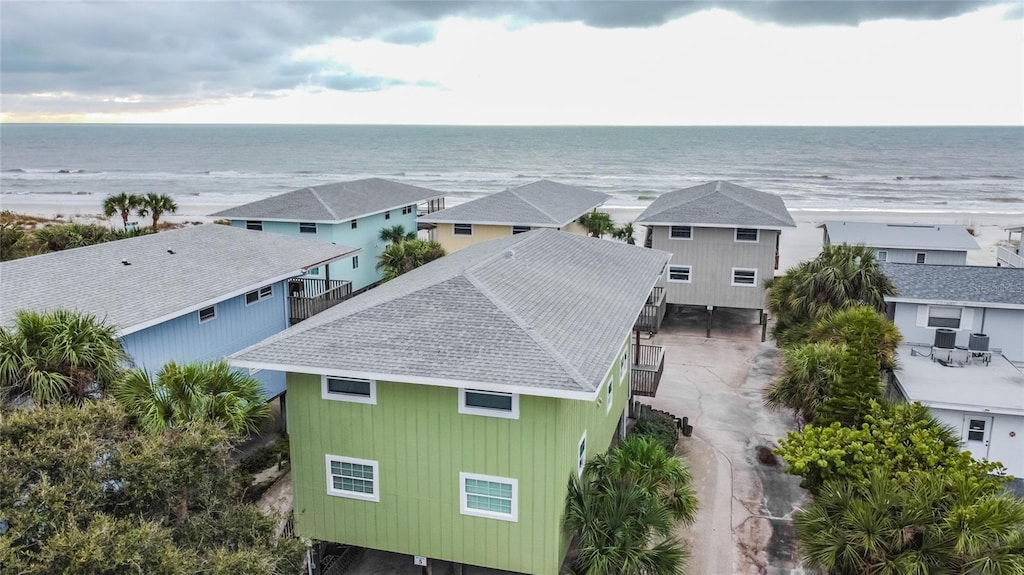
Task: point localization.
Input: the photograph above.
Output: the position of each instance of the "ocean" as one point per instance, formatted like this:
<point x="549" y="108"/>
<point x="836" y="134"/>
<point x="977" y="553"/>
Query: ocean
<point x="899" y="169"/>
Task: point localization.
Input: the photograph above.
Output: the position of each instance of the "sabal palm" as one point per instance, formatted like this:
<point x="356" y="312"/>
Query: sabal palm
<point x="405" y="256"/>
<point x="852" y="325"/>
<point x="156" y="205"/>
<point x="58" y="357"/>
<point x="184" y="393"/>
<point x="123" y="204"/>
<point x="596" y="223"/>
<point x="808" y="370"/>
<point x="395" y="234"/>
<point x="625" y="233"/>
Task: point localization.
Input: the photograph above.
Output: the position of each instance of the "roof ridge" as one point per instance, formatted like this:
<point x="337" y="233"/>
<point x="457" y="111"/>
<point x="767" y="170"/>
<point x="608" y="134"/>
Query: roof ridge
<point x="735" y="197"/>
<point x="533" y="205"/>
<point x="544" y="344"/>
<point x="323" y="203"/>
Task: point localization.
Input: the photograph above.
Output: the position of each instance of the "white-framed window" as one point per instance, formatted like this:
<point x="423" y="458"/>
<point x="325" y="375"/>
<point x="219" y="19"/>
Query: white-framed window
<point x="746" y="234"/>
<point x="489" y="403"/>
<point x="882" y="256"/>
<point x="462" y="229"/>
<point x="348" y="389"/>
<point x="355" y="262"/>
<point x="353" y="478"/>
<point x="307" y="228"/>
<point x="489" y="496"/>
<point x="207" y="314"/>
<point x="581" y="455"/>
<point x="744" y="277"/>
<point x="624" y="365"/>
<point x="313" y="272"/>
<point x="680" y="274"/>
<point x="520" y="229"/>
<point x="944" y="316"/>
<point x="254" y="225"/>
<point x="259" y="294"/>
<point x="680" y="232"/>
<point x="609" y="395"/>
<point x="921" y="256"/>
<point x="387" y="215"/>
<point x="407" y="210"/>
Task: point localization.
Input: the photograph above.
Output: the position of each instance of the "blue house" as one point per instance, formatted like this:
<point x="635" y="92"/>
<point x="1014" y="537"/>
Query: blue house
<point x="349" y="213"/>
<point x="192" y="294"/>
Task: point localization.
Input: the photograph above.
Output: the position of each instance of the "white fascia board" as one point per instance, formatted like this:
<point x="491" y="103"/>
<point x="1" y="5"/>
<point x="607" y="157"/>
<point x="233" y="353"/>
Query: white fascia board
<point x="228" y="295"/>
<point x="726" y="226"/>
<point x="996" y="410"/>
<point x="950" y="302"/>
<point x="482" y="223"/>
<point x="333" y="221"/>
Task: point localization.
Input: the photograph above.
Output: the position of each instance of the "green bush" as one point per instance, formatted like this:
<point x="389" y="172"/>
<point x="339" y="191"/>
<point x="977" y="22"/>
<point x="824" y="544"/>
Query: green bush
<point x="265" y="456"/>
<point x="659" y="426"/>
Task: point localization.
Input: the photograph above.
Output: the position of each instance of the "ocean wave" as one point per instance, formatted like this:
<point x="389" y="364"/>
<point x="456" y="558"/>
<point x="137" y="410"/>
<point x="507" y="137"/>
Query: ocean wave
<point x="937" y="178"/>
<point x="15" y="171"/>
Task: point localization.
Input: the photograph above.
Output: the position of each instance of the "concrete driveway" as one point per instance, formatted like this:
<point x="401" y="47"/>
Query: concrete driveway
<point x="746" y="499"/>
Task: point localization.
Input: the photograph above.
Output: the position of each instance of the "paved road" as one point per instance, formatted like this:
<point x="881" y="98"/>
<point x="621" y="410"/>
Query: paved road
<point x="743" y="524"/>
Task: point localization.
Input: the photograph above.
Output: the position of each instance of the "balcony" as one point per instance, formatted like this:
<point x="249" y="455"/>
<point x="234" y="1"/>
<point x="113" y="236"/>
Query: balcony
<point x="309" y="296"/>
<point x="430" y="206"/>
<point x="1008" y="257"/>
<point x="650" y="317"/>
<point x="648" y="365"/>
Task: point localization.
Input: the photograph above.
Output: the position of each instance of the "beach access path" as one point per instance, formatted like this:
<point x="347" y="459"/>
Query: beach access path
<point x="746" y="500"/>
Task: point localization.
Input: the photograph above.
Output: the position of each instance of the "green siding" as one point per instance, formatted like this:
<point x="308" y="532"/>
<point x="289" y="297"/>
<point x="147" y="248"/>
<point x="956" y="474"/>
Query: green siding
<point x="422" y="442"/>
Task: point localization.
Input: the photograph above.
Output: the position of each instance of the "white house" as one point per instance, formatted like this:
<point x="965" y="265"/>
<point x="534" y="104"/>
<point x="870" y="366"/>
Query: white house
<point x="1011" y="252"/>
<point x="963" y="328"/>
<point x="905" y="243"/>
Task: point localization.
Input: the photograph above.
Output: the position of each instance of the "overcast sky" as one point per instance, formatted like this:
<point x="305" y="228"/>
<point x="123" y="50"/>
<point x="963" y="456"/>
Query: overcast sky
<point x="759" y="62"/>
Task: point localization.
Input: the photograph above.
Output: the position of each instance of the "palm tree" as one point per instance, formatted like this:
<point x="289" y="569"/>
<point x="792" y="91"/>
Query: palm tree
<point x="156" y="205"/>
<point x="405" y="256"/>
<point x="58" y="357"/>
<point x="625" y="233"/>
<point x="808" y="371"/>
<point x="395" y="234"/>
<point x="123" y="204"/>
<point x="183" y="393"/>
<point x="597" y="223"/>
<point x="849" y="326"/>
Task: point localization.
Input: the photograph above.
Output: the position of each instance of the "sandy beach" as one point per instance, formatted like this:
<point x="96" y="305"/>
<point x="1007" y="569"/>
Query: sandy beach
<point x="797" y="245"/>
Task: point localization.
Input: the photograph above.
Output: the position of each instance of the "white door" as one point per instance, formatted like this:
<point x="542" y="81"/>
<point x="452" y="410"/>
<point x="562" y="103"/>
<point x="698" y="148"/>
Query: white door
<point x="976" y="434"/>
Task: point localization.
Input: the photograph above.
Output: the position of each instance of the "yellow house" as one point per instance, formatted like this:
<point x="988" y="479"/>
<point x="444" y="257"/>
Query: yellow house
<point x="542" y="204"/>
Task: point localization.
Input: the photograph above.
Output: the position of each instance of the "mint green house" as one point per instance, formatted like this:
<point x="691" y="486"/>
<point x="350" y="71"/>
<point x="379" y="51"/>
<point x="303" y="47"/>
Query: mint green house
<point x="345" y="213"/>
<point x="442" y="413"/>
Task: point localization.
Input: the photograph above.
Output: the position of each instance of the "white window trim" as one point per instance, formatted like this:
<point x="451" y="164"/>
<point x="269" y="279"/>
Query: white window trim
<point x="733" y="277"/>
<point x="736" y="236"/>
<point x="307" y="224"/>
<point x="513" y="228"/>
<point x="199" y="314"/>
<point x="463" y="499"/>
<point x="668" y="273"/>
<point x="609" y="395"/>
<point x="375" y="496"/>
<point x="671" y="237"/>
<point x="624" y="366"/>
<point x="924" y="259"/>
<point x="325" y="393"/>
<point x="256" y="222"/>
<point x="259" y="295"/>
<point x="882" y="255"/>
<point x="470" y="229"/>
<point x="473" y="410"/>
<point x="581" y="460"/>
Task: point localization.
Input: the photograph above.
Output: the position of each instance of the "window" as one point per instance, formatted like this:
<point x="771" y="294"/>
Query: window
<point x="307" y="228"/>
<point x="944" y="316"/>
<point x="266" y="291"/>
<point x="746" y="234"/>
<point x="254" y="225"/>
<point x="355" y="262"/>
<point x="407" y="210"/>
<point x="349" y="389"/>
<point x="259" y="294"/>
<point x="208" y="314"/>
<point x="351" y="477"/>
<point x="680" y="232"/>
<point x="462" y="229"/>
<point x="883" y="256"/>
<point x="387" y="215"/>
<point x="489" y="496"/>
<point x="252" y="297"/>
<point x="679" y="274"/>
<point x="921" y="257"/>
<point x="355" y="224"/>
<point x="313" y="272"/>
<point x="624" y="365"/>
<point x="520" y="229"/>
<point x="581" y="454"/>
<point x="609" y="396"/>
<point x="744" y="277"/>
<point x="489" y="403"/>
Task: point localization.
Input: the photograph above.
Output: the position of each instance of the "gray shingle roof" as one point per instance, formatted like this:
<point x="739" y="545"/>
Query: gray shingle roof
<point x="718" y="203"/>
<point x="542" y="204"/>
<point x="544" y="310"/>
<point x="209" y="263"/>
<point x="966" y="284"/>
<point x="906" y="236"/>
<point x="332" y="203"/>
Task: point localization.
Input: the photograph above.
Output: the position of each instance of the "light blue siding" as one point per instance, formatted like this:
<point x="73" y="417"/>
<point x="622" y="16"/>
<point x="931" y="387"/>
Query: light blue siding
<point x="1005" y="328"/>
<point x="236" y="326"/>
<point x="364" y="237"/>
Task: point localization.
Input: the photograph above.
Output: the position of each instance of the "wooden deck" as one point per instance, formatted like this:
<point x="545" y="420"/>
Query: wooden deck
<point x="309" y="296"/>
<point x="648" y="366"/>
<point x="650" y="317"/>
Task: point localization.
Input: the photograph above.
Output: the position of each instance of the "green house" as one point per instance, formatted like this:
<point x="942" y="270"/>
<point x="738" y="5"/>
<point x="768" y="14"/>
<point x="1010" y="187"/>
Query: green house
<point x="442" y="413"/>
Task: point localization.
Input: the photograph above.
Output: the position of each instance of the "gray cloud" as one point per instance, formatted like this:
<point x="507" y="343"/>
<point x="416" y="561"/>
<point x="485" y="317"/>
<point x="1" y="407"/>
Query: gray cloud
<point x="181" y="52"/>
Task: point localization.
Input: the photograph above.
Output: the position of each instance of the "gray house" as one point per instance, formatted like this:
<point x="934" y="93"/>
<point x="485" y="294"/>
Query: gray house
<point x="905" y="243"/>
<point x="724" y="241"/>
<point x="963" y="328"/>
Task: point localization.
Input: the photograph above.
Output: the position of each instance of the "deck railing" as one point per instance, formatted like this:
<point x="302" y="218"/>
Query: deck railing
<point x="309" y="296"/>
<point x="650" y="317"/>
<point x="430" y="206"/>
<point x="1008" y="257"/>
<point x="648" y="366"/>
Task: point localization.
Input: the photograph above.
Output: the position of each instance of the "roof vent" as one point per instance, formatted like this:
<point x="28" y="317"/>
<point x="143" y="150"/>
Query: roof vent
<point x="126" y="262"/>
<point x="510" y="254"/>
<point x="170" y="252"/>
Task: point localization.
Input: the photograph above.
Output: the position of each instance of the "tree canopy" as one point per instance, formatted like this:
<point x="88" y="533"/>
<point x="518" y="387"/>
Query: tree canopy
<point x="407" y="255"/>
<point x="597" y="223"/>
<point x="121" y="204"/>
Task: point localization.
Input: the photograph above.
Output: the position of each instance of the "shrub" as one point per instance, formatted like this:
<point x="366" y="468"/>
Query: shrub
<point x="659" y="426"/>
